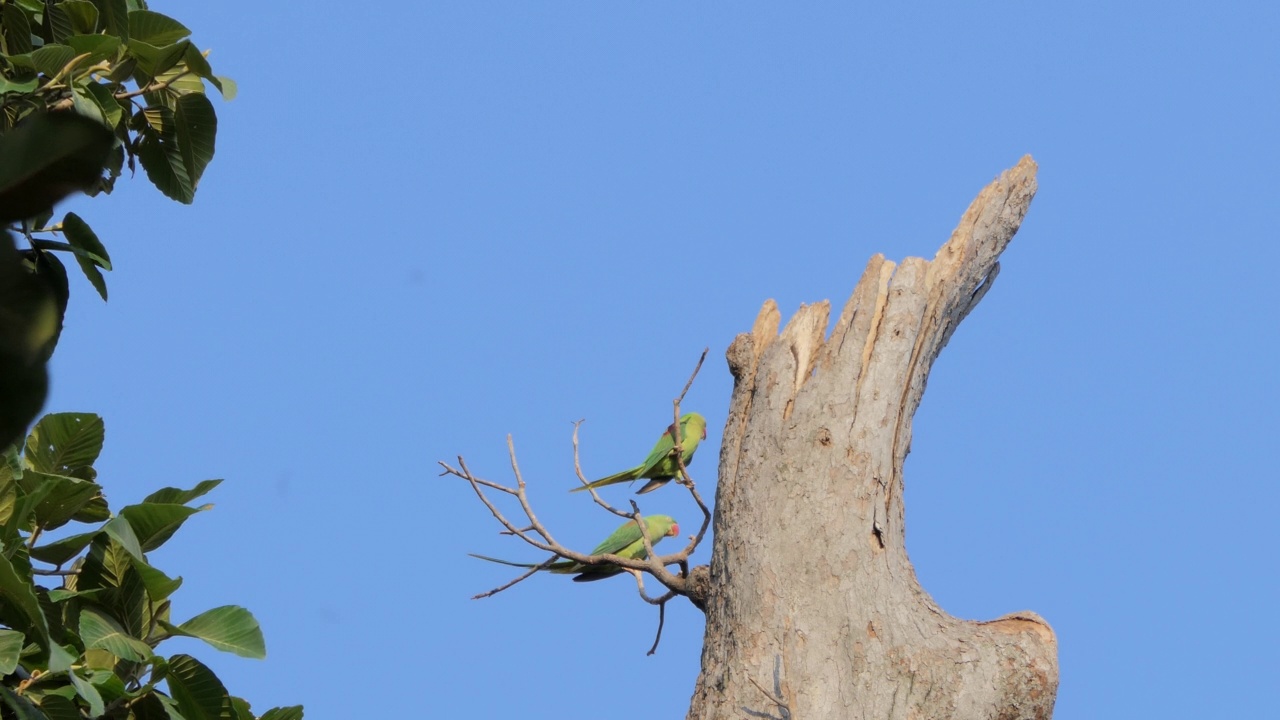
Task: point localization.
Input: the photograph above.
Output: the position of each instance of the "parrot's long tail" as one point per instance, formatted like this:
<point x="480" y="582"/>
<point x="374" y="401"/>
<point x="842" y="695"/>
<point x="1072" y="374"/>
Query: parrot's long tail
<point x="503" y="562"/>
<point x="559" y="566"/>
<point x="624" y="476"/>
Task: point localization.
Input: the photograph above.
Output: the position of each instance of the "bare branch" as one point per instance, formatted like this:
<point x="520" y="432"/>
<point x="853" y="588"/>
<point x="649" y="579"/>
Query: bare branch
<point x="662" y="619"/>
<point x="532" y="571"/>
<point x="691" y="377"/>
<point x="577" y="468"/>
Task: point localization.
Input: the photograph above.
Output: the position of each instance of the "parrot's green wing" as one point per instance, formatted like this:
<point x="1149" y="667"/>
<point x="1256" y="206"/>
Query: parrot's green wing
<point x="620" y="539"/>
<point x="693" y="429"/>
<point x="626" y="542"/>
<point x="661" y="451"/>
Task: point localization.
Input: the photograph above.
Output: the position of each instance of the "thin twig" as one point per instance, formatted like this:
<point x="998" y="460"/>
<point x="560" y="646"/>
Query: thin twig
<point x="662" y="618"/>
<point x="532" y="571"/>
<point x="691" y="377"/>
<point x="684" y="478"/>
<point x="577" y="468"/>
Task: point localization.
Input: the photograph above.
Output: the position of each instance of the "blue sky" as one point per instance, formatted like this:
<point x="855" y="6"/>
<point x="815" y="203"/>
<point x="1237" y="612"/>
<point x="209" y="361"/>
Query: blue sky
<point x="432" y="224"/>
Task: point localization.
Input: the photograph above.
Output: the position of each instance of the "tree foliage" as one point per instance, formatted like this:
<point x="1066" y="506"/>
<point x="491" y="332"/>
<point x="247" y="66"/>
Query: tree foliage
<point x="88" y="87"/>
<point x="132" y="70"/>
<point x="90" y="648"/>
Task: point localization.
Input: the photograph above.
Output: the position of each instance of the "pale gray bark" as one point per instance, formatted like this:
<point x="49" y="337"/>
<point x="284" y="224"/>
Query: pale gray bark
<point x="813" y="608"/>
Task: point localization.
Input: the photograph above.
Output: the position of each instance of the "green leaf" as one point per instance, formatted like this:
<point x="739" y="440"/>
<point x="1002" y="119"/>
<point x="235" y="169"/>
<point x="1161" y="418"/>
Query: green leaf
<point x="151" y="707"/>
<point x="56" y="707"/>
<point x="66" y="497"/>
<point x="243" y="711"/>
<point x="106" y="102"/>
<point x="110" y="567"/>
<point x="229" y="628"/>
<point x="200" y="695"/>
<point x="60" y="551"/>
<point x="58" y="595"/>
<point x="17" y="29"/>
<point x="59" y="24"/>
<point x="177" y="146"/>
<point x="155" y="523"/>
<point x="100" y="631"/>
<point x="51" y="58"/>
<point x="199" y="64"/>
<point x="228" y="88"/>
<point x="95" y="511"/>
<point x="179" y="81"/>
<point x="85" y="104"/>
<point x="197" y="127"/>
<point x="21" y="594"/>
<point x="8" y="497"/>
<point x="154" y="28"/>
<point x="10" y="86"/>
<point x="172" y="495"/>
<point x="107" y="683"/>
<point x="21" y="707"/>
<point x="159" y="156"/>
<point x="59" y="659"/>
<point x="122" y="532"/>
<point x="114" y="15"/>
<point x="159" y="586"/>
<point x="90" y="253"/>
<point x="99" y="47"/>
<point x="88" y="693"/>
<point x="292" y="712"/>
<point x="46" y="157"/>
<point x="62" y="442"/>
<point x="82" y="15"/>
<point x="155" y="60"/>
<point x="11" y="643"/>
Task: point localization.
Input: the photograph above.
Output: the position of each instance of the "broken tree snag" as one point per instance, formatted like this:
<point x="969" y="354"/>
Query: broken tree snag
<point x="814" y="609"/>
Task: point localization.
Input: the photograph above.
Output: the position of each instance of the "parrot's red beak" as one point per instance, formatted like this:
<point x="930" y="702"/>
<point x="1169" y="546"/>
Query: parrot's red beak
<point x="674" y="531"/>
<point x="704" y="433"/>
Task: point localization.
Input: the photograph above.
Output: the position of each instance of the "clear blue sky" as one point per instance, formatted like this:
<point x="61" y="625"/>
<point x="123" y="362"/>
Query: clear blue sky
<point x="429" y="225"/>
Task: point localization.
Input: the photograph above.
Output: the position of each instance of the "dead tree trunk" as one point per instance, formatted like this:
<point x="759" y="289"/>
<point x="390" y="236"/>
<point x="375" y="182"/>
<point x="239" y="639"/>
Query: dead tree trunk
<point x="814" y="610"/>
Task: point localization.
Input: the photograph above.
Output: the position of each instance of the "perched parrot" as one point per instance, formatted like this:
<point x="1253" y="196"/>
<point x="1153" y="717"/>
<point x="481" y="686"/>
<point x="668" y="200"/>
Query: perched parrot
<point x="661" y="466"/>
<point x="624" y="542"/>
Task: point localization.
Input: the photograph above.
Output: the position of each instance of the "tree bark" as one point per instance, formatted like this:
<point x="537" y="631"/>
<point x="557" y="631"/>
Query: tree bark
<point x="814" y="610"/>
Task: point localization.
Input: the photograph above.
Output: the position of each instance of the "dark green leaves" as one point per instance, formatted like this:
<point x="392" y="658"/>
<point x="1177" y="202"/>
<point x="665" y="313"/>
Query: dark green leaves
<point x="154" y="28"/>
<point x="17" y="29"/>
<point x="113" y="16"/>
<point x="199" y="693"/>
<point x="177" y="145"/>
<point x="293" y="712"/>
<point x="81" y="16"/>
<point x="19" y="592"/>
<point x="89" y="251"/>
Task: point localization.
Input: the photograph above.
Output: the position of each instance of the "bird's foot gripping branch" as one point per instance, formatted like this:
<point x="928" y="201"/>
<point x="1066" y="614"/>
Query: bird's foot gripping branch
<point x="630" y="548"/>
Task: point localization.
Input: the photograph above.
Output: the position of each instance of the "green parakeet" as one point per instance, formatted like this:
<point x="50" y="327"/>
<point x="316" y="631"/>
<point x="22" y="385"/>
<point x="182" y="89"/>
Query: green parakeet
<point x="624" y="542"/>
<point x="661" y="466"/>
